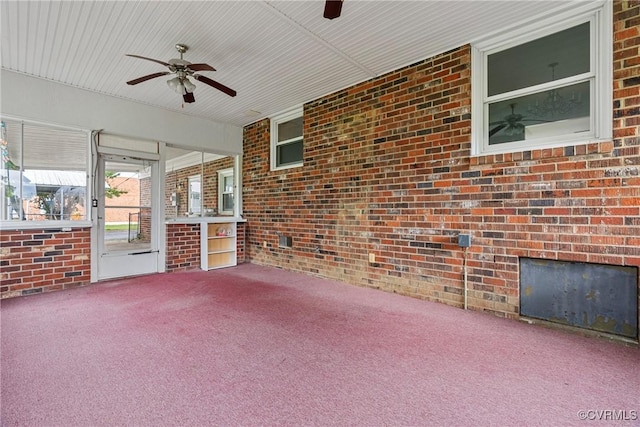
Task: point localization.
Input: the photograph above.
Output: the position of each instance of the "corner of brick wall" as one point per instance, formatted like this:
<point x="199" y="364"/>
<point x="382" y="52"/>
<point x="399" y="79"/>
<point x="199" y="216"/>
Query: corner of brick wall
<point x="240" y="242"/>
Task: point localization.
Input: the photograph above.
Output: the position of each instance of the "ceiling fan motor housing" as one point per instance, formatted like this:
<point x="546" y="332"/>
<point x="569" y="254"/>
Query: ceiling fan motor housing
<point x="179" y="62"/>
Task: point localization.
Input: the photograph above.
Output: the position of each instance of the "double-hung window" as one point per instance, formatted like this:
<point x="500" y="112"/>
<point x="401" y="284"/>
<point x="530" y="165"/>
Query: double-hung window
<point x="225" y="191"/>
<point x="544" y="85"/>
<point x="286" y="140"/>
<point x="43" y="174"/>
<point x="195" y="195"/>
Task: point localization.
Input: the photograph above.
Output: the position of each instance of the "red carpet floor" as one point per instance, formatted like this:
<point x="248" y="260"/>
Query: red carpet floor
<point x="256" y="346"/>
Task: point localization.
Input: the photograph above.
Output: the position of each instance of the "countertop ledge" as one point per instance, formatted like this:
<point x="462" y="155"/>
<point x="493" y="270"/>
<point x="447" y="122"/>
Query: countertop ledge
<point x="205" y="219"/>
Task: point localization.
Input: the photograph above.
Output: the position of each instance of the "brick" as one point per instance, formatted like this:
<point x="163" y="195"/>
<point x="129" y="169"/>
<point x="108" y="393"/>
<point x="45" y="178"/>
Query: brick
<point x="522" y="203"/>
<point x="39" y="248"/>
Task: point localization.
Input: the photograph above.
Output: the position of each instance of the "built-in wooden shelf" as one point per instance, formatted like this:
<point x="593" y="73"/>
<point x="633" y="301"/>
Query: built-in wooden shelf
<point x="218" y="245"/>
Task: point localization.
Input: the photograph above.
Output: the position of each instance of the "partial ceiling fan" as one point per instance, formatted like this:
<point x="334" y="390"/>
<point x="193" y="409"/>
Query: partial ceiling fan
<point x="183" y="70"/>
<point x="512" y="124"/>
<point x="332" y="9"/>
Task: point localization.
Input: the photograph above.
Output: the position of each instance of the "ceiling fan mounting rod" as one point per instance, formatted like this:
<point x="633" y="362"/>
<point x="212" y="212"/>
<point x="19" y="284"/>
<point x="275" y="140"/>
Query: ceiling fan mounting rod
<point x="182" y="48"/>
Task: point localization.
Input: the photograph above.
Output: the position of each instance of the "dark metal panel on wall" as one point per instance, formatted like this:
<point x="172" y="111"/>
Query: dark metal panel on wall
<point x="593" y="296"/>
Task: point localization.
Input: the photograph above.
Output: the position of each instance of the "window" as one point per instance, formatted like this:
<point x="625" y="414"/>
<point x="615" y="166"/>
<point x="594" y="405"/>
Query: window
<point x="193" y="183"/>
<point x="195" y="192"/>
<point x="544" y="85"/>
<point x="286" y="140"/>
<point x="43" y="173"/>
<point x="225" y="192"/>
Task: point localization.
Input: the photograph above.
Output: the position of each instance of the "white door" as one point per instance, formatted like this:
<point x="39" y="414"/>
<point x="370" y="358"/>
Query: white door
<point x="128" y="229"/>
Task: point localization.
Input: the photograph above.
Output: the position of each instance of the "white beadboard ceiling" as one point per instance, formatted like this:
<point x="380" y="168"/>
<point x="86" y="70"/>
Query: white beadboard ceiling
<point x="275" y="54"/>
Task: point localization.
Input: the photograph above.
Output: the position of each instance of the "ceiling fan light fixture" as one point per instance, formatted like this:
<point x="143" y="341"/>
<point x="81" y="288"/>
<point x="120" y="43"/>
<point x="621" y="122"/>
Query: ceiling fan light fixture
<point x="515" y="129"/>
<point x="189" y="87"/>
<point x="177" y="85"/>
<point x="555" y="104"/>
<point x="182" y="69"/>
<point x="180" y="88"/>
<point x="173" y="83"/>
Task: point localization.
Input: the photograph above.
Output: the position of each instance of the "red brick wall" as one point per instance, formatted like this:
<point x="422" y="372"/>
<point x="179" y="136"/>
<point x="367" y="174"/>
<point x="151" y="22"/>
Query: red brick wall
<point x="183" y="247"/>
<point x="240" y="242"/>
<point x="35" y="261"/>
<point x="387" y="171"/>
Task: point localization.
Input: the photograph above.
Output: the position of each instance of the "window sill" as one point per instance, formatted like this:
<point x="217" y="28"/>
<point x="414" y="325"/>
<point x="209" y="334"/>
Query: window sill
<point x="43" y="225"/>
<point x="580" y="148"/>
<point x="558" y="141"/>
<point x="280" y="168"/>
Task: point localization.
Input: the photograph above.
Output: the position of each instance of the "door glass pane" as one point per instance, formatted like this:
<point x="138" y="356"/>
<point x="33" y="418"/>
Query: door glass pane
<point x="559" y="55"/>
<point x="550" y="113"/>
<point x="127" y="211"/>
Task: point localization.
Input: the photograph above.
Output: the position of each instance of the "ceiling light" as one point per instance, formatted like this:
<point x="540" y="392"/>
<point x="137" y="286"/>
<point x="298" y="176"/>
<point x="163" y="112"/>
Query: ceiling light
<point x="554" y="104"/>
<point x="181" y="85"/>
<point x="173" y="83"/>
<point x="180" y="88"/>
<point x="190" y="87"/>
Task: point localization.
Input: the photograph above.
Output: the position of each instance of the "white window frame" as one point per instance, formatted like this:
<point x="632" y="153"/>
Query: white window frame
<point x="280" y="118"/>
<point x="222" y="174"/>
<point x="600" y="15"/>
<point x="55" y="224"/>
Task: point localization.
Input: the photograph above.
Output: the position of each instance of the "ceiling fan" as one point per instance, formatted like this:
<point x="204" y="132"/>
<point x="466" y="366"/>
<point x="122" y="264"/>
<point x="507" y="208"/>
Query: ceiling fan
<point x="183" y="70"/>
<point x="332" y="8"/>
<point x="511" y="124"/>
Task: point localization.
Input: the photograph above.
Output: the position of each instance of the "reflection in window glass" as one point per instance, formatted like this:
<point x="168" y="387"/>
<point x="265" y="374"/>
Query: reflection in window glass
<point x="287" y="154"/>
<point x="554" y="57"/>
<point x="227" y="202"/>
<point x="192" y="182"/>
<point x="228" y="184"/>
<point x="227" y="195"/>
<point x="290" y="129"/>
<point x="544" y="114"/>
<point x="195" y="191"/>
<point x="225" y="190"/>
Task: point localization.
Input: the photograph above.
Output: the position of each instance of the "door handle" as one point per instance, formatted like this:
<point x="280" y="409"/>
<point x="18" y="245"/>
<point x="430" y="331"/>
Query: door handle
<point x="142" y="252"/>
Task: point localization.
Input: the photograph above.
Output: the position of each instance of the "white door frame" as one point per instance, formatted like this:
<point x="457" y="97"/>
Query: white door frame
<point x="129" y="264"/>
